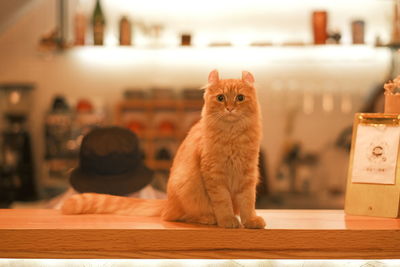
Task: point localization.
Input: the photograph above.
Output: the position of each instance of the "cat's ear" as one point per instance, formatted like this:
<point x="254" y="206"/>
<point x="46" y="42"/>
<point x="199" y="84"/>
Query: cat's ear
<point x="213" y="77"/>
<point x="247" y="77"/>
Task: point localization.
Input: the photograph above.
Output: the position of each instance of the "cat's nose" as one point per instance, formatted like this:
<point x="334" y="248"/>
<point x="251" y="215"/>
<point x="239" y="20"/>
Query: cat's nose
<point x="229" y="109"/>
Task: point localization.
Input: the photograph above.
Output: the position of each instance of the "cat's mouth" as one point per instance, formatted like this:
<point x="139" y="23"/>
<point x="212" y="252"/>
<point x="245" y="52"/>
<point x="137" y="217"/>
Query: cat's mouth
<point x="230" y="117"/>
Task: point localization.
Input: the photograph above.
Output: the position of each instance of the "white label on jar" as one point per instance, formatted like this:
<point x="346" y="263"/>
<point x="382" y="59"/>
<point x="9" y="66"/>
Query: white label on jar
<point x="375" y="154"/>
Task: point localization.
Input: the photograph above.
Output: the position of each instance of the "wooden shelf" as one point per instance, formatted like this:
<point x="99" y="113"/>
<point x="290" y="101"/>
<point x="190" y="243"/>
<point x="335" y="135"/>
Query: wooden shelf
<point x="146" y="111"/>
<point x="290" y="234"/>
<point x="261" y="45"/>
<point x="157" y="134"/>
<point x="159" y="164"/>
<point x="191" y="104"/>
<point x="257" y="55"/>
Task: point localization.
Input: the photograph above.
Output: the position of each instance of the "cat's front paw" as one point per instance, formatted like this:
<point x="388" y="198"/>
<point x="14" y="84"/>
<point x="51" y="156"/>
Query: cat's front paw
<point x="255" y="222"/>
<point x="229" y="222"/>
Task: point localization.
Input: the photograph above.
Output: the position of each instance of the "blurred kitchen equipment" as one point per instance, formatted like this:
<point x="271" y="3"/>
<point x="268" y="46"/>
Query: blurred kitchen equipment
<point x="334" y="36"/>
<point x="7" y="189"/>
<point x="192" y="94"/>
<point x="162" y="93"/>
<point x="58" y="127"/>
<point x="17" y="98"/>
<point x="65" y="127"/>
<point x="16" y="164"/>
<point x="135" y="94"/>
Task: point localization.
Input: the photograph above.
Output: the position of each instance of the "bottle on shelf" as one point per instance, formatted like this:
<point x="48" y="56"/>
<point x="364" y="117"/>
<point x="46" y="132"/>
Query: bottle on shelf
<point x="395" y="38"/>
<point x="125" y="31"/>
<point x="319" y="24"/>
<point x="79" y="26"/>
<point x="357" y="31"/>
<point x="98" y="24"/>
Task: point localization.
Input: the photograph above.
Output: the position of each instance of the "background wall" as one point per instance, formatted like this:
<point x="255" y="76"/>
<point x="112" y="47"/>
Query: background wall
<point x="322" y="85"/>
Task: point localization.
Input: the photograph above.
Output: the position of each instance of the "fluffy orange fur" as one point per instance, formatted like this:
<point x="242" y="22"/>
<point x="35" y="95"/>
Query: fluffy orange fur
<point x="215" y="171"/>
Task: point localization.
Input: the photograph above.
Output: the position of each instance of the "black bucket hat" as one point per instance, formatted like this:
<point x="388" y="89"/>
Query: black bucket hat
<point x="110" y="162"/>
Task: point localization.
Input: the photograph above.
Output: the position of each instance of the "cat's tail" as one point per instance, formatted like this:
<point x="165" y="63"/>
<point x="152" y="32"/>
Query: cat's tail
<point x="90" y="203"/>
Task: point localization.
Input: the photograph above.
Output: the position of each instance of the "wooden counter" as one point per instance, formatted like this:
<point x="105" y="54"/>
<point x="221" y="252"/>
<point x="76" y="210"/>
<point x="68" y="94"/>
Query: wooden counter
<point x="290" y="234"/>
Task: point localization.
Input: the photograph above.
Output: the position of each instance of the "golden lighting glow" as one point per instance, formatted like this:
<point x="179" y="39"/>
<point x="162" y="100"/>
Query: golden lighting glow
<point x="327" y="102"/>
<point x="228" y="55"/>
<point x="15" y="97"/>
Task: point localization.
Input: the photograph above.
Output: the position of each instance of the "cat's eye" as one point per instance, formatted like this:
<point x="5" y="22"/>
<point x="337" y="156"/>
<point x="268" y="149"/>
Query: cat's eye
<point x="220" y="98"/>
<point x="240" y="98"/>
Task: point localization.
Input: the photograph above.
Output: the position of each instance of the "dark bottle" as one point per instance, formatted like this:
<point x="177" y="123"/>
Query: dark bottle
<point x="7" y="188"/>
<point x="98" y="24"/>
<point x="17" y="159"/>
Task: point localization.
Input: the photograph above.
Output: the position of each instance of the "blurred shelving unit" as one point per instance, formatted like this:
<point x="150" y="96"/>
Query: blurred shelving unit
<point x="160" y="137"/>
<point x="275" y="45"/>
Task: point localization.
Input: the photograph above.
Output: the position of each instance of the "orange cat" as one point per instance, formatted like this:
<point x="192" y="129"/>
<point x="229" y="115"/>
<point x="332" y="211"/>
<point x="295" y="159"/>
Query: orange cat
<point x="215" y="171"/>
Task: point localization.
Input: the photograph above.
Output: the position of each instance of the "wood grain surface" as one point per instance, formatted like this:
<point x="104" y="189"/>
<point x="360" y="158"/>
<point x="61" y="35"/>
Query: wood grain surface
<point x="290" y="234"/>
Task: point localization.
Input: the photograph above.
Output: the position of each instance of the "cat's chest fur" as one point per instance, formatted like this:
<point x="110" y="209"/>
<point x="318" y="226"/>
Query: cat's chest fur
<point x="232" y="150"/>
<point x="233" y="154"/>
